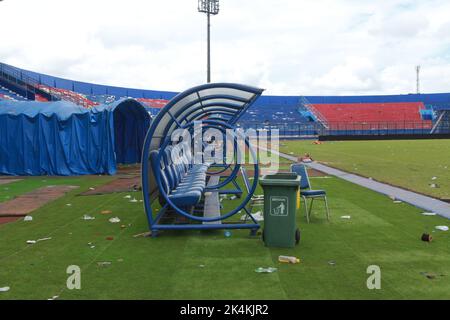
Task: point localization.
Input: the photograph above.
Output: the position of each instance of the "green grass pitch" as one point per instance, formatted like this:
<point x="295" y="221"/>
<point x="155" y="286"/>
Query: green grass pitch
<point x="208" y="265"/>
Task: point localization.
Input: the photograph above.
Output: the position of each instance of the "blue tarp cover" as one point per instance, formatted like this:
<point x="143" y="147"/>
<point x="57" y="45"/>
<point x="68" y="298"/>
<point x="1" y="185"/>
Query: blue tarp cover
<point x="61" y="138"/>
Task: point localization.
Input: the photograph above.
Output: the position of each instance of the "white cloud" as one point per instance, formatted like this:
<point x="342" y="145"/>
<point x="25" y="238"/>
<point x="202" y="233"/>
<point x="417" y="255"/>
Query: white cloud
<point x="286" y="46"/>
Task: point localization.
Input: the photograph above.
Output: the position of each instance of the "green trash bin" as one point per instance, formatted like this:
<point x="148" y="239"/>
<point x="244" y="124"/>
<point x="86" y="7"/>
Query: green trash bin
<point x="280" y="206"/>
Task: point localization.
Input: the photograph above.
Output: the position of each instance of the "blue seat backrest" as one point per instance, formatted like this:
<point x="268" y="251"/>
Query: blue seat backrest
<point x="171" y="178"/>
<point x="300" y="169"/>
<point x="159" y="167"/>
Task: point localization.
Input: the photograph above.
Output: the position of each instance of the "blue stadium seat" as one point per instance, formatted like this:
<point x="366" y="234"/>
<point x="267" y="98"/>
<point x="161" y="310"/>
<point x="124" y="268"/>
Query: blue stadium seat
<point x="182" y="181"/>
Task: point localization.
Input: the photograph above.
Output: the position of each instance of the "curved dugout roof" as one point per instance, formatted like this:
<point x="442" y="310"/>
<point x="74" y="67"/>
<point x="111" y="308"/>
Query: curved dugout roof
<point x="225" y="102"/>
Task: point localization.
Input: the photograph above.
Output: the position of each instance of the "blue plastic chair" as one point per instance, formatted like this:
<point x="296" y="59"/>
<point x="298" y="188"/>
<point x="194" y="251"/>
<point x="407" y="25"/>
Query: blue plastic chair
<point x="306" y="192"/>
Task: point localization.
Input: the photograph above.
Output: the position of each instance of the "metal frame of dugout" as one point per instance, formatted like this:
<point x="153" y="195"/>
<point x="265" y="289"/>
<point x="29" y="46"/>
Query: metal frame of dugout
<point x="182" y="186"/>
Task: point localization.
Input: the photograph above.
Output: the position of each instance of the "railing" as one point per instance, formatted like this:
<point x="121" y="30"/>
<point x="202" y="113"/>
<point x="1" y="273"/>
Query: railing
<point x="21" y="81"/>
<point x="314" y="111"/>
<point x="349" y="128"/>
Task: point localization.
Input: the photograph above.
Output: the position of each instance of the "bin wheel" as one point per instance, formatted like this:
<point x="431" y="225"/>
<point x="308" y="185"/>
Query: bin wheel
<point x="297" y="236"/>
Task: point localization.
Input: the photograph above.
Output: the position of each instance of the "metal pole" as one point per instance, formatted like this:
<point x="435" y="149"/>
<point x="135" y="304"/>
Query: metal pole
<point x="208" y="63"/>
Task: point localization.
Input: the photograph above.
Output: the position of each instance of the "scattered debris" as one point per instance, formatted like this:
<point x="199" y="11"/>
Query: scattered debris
<point x="38" y="240"/>
<point x="114" y="220"/>
<point x="28" y="218"/>
<point x="398" y="201"/>
<point x="134" y="200"/>
<point x="258" y="216"/>
<point x="288" y="259"/>
<point x="265" y="270"/>
<point x="201" y="265"/>
<point x="91" y="245"/>
<point x="106" y="212"/>
<point x="104" y="263"/>
<point x="233" y="198"/>
<point x="346" y="217"/>
<point x="332" y="263"/>
<point x="123" y="226"/>
<point x="431" y="276"/>
<point x="434" y="178"/>
<point x="53" y="298"/>
<point x="120" y="260"/>
<point x="4" y="289"/>
<point x="442" y="228"/>
<point x="91" y="188"/>
<point x="88" y="217"/>
<point x="227" y="233"/>
<point x="426" y="237"/>
<point x="109" y="238"/>
<point x="127" y="197"/>
<point x="434" y="185"/>
<point x="143" y="234"/>
<point x="428" y="213"/>
<point x="68" y="204"/>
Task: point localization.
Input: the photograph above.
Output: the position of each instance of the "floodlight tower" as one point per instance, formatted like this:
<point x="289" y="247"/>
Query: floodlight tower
<point x="418" y="79"/>
<point x="210" y="7"/>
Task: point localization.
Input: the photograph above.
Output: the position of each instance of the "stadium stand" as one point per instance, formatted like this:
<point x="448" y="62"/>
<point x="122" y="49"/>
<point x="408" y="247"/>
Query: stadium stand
<point x="293" y="116"/>
<point x="405" y="114"/>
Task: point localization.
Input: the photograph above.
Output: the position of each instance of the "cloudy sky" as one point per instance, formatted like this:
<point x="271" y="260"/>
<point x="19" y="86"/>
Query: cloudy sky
<point x="294" y="47"/>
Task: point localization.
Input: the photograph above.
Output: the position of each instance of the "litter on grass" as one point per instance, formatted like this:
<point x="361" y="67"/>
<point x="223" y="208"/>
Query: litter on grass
<point x="88" y="217"/>
<point x="288" y="259"/>
<point x="442" y="228"/>
<point x="106" y="212"/>
<point x="428" y="213"/>
<point x="4" y="289"/>
<point x="91" y="245"/>
<point x="28" y="218"/>
<point x="426" y="237"/>
<point x="143" y="234"/>
<point x="134" y="200"/>
<point x="398" y="201"/>
<point x="258" y="216"/>
<point x="233" y="198"/>
<point x="68" y="204"/>
<point x="104" y="263"/>
<point x="265" y="270"/>
<point x="53" y="298"/>
<point x="434" y="178"/>
<point x="38" y="240"/>
<point x="127" y="197"/>
<point x="332" y="263"/>
<point x="346" y="217"/>
<point x="114" y="220"/>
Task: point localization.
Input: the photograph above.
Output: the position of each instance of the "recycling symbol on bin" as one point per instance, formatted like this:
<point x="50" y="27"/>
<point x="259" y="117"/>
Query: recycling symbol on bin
<point x="278" y="206"/>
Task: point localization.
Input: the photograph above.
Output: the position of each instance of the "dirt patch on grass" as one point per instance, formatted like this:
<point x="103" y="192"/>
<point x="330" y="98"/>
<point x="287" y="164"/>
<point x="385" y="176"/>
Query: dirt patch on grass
<point x="8" y="180"/>
<point x="122" y="184"/>
<point x="26" y="203"/>
<point x="5" y="220"/>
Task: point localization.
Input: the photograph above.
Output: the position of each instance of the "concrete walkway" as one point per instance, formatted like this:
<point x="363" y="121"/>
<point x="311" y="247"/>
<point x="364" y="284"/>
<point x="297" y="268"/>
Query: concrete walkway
<point x="212" y="203"/>
<point x="418" y="200"/>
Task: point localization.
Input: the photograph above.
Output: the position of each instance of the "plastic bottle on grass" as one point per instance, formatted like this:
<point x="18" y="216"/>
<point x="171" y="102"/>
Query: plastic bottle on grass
<point x="288" y="259"/>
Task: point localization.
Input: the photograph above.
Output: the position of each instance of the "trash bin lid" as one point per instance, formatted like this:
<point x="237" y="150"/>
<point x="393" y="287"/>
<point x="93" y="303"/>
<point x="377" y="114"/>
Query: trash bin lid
<point x="281" y="179"/>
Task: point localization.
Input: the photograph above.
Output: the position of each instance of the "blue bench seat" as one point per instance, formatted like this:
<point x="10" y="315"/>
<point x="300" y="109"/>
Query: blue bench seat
<point x="183" y="181"/>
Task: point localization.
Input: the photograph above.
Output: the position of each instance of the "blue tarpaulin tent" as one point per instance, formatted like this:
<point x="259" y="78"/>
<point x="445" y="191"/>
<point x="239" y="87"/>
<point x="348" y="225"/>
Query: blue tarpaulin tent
<point x="61" y="138"/>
